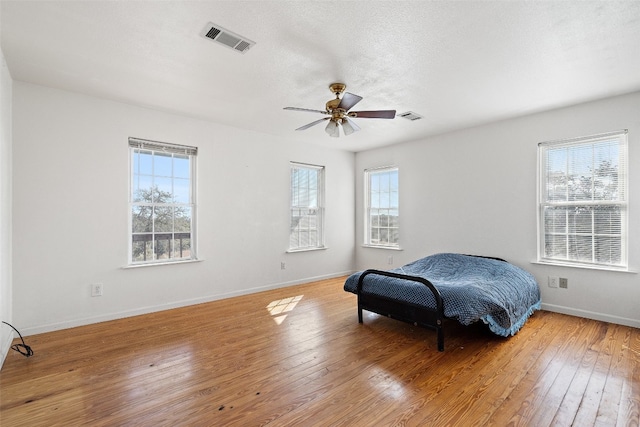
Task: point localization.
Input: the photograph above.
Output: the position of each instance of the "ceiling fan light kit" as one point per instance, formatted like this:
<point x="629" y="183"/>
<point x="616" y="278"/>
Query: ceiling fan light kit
<point x="339" y="115"/>
<point x="348" y="126"/>
<point x="332" y="129"/>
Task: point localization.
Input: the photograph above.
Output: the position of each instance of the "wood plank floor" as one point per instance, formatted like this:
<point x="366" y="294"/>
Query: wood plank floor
<point x="298" y="357"/>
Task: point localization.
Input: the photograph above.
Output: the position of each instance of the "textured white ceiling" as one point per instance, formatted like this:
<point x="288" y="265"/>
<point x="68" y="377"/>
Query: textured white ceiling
<point x="458" y="64"/>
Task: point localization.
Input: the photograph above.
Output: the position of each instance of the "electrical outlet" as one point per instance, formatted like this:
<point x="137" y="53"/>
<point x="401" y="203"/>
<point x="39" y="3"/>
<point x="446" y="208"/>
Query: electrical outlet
<point x="390" y="260"/>
<point x="553" y="281"/>
<point x="282" y="266"/>
<point x="96" y="290"/>
<point x="563" y="283"/>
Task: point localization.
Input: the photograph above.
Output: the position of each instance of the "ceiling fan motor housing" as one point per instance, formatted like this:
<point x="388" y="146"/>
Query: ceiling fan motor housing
<point x="336" y="88"/>
<point x="332" y="105"/>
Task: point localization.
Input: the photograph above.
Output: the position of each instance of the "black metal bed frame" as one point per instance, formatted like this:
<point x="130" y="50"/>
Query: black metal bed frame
<point x="407" y="312"/>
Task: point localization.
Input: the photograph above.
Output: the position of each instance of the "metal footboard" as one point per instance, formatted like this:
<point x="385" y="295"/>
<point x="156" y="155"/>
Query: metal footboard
<point x="407" y="312"/>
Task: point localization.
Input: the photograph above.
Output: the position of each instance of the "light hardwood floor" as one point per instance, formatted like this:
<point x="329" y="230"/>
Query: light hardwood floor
<point x="298" y="357"/>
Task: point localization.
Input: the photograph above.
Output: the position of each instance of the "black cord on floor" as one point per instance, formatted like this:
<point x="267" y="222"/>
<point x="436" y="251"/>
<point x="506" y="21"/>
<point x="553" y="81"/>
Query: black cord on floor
<point x="23" y="349"/>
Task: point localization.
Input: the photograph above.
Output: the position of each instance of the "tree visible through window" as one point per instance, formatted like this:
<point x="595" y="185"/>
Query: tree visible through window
<point x="162" y="201"/>
<point x="583" y="201"/>
<point x="382" y="207"/>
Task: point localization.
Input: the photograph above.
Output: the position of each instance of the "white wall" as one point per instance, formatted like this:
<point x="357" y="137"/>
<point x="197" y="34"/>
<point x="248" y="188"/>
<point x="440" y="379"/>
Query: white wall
<point x="70" y="188"/>
<point x="471" y="191"/>
<point x="6" y="333"/>
<point x="474" y="191"/>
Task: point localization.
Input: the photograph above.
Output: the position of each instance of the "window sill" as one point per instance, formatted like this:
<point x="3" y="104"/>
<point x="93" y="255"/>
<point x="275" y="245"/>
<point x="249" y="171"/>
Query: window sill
<point x="293" y="251"/>
<point x="584" y="266"/>
<point x="155" y="264"/>
<point x="391" y="248"/>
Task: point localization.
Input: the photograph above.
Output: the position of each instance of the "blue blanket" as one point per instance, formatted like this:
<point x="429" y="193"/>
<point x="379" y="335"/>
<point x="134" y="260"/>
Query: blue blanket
<point x="500" y="294"/>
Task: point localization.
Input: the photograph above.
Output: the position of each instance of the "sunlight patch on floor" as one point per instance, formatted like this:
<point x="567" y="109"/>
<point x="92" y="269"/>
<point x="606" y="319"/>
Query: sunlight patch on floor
<point x="387" y="384"/>
<point x="280" y="308"/>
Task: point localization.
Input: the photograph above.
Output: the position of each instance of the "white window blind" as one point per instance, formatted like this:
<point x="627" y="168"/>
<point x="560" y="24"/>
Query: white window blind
<point x="583" y="201"/>
<point x="382" y="207"/>
<point x="306" y="229"/>
<point x="162" y="202"/>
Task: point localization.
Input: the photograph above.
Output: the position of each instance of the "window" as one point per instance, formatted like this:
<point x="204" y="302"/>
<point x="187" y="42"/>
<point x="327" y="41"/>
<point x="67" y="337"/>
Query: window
<point x="381" y="221"/>
<point x="162" y="202"/>
<point x="306" y="229"/>
<point x="583" y="201"/>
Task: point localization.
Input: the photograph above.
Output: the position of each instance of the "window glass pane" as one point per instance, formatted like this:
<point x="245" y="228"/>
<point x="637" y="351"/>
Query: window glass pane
<point x="580" y="220"/>
<point x="162" y="164"/>
<point x="143" y="162"/>
<point x="375" y="183"/>
<point x="163" y="190"/>
<point x="305" y="229"/>
<point x="135" y="183"/>
<point x="374" y="218"/>
<point x="556" y="175"/>
<point x="313" y="198"/>
<point x="375" y="200"/>
<point x="555" y="219"/>
<point x="393" y="218"/>
<point x="313" y="181"/>
<point x="313" y="238"/>
<point x="142" y="249"/>
<point x="181" y="167"/>
<point x="142" y="221"/>
<point x="383" y="203"/>
<point x="608" y="250"/>
<point x="592" y="172"/>
<point x="135" y="161"/>
<point x="182" y="219"/>
<point x="181" y="191"/>
<point x="383" y="218"/>
<point x="142" y="191"/>
<point x="161" y="202"/>
<point x="393" y="176"/>
<point x="293" y="240"/>
<point x="384" y="236"/>
<point x="385" y="200"/>
<point x="394" y="200"/>
<point x="556" y="246"/>
<point x="182" y="245"/>
<point x="162" y="219"/>
<point x="608" y="220"/>
<point x="384" y="183"/>
<point x="375" y="235"/>
<point x="162" y="246"/>
<point x="303" y="238"/>
<point x="580" y="248"/>
<point x="393" y="235"/>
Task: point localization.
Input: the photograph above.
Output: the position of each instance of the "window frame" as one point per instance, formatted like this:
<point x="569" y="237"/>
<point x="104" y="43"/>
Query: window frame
<point x="620" y="203"/>
<point x="318" y="207"/>
<point x="368" y="242"/>
<point x="137" y="145"/>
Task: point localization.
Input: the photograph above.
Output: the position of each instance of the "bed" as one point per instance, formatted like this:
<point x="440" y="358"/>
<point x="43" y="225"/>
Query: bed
<point x="466" y="288"/>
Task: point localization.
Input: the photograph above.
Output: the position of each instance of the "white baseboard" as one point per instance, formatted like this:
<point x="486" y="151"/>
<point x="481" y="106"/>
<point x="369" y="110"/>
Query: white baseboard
<point x="177" y="304"/>
<point x="592" y="315"/>
<point x="6" y="339"/>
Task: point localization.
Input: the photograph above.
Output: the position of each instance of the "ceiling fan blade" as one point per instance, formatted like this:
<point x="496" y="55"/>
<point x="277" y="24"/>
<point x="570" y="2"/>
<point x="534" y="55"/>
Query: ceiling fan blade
<point x="307" y="126"/>
<point x="305" y="109"/>
<point x="380" y="114"/>
<point x="348" y="101"/>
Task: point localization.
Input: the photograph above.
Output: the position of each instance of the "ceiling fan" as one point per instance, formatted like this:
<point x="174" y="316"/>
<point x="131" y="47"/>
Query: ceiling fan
<point x="338" y="111"/>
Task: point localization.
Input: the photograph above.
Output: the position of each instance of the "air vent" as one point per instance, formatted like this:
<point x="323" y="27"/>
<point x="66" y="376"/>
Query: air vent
<point x="410" y="115"/>
<point x="227" y="38"/>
